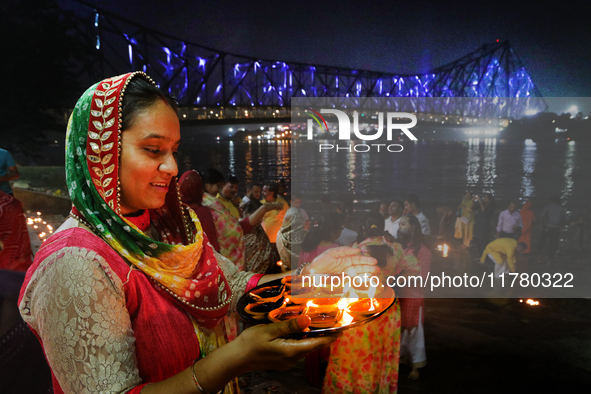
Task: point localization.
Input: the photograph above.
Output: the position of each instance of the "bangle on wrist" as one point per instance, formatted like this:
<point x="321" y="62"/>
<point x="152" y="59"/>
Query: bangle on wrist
<point x="199" y="387"/>
<point x="299" y="270"/>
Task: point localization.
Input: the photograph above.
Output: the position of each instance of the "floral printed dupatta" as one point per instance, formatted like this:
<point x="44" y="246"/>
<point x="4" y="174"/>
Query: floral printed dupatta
<point x="230" y="235"/>
<point x="181" y="264"/>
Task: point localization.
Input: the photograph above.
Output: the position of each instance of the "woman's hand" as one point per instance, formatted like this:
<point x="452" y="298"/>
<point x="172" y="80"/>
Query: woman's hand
<point x="265" y="347"/>
<point x="261" y="347"/>
<point x="344" y="259"/>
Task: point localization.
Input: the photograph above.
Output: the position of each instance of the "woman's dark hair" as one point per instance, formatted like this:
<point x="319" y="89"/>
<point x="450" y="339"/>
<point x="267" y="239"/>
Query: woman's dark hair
<point x="417" y="234"/>
<point x="322" y="230"/>
<point x="251" y="206"/>
<point x="139" y="96"/>
<point x="211" y="176"/>
<point x="372" y="226"/>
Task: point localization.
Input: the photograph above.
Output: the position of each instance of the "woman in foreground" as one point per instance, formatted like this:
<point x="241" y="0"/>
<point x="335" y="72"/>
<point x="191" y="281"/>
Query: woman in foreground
<point x="128" y="295"/>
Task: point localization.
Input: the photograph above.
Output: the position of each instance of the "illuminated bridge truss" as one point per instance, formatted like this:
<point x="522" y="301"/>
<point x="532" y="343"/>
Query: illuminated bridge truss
<point x="206" y="80"/>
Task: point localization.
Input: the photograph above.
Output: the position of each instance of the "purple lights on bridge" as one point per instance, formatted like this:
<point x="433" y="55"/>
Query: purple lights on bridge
<point x="204" y="77"/>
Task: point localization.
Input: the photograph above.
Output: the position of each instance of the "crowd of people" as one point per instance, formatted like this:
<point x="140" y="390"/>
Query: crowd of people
<point x="514" y="229"/>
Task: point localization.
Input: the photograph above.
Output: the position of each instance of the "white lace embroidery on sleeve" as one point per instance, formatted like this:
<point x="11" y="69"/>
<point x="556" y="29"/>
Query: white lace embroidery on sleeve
<point x="77" y="306"/>
<point x="236" y="279"/>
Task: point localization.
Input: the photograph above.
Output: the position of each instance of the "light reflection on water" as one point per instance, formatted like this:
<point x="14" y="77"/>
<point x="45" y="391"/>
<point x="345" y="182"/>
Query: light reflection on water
<point x="438" y="172"/>
<point x="569" y="166"/>
<point x="473" y="163"/>
<point x="528" y="159"/>
<point x="489" y="165"/>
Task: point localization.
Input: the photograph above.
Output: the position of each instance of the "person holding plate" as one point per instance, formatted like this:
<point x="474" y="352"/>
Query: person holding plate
<point x="128" y="295"/>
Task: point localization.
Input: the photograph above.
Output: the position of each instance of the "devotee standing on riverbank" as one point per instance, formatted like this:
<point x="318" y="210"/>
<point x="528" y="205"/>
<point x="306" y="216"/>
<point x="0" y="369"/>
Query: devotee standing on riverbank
<point x="527" y="218"/>
<point x="552" y="218"/>
<point x="260" y="255"/>
<point x="482" y="223"/>
<point x="465" y="222"/>
<point x="227" y="195"/>
<point x="412" y="206"/>
<point x="412" y="301"/>
<point x="391" y="223"/>
<point x="510" y="224"/>
<point x="274" y="219"/>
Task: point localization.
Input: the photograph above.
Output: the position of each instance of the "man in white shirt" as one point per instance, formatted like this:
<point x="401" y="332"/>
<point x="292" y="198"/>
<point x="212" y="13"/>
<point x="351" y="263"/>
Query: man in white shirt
<point x="392" y="222"/>
<point x="411" y="206"/>
<point x="510" y="223"/>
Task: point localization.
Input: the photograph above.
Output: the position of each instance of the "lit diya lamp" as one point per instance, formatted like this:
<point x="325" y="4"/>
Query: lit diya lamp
<point x="301" y="295"/>
<point x="364" y="308"/>
<point x="302" y="299"/>
<point x="287" y="282"/>
<point x="444" y="249"/>
<point x="268" y="293"/>
<point x="323" y="316"/>
<point x="287" y="312"/>
<point x="260" y="310"/>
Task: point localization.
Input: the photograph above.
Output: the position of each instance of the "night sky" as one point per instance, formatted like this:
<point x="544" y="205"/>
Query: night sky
<point x="401" y="37"/>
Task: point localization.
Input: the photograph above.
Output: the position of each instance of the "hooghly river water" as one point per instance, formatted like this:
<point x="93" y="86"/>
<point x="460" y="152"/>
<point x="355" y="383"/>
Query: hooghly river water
<point x="438" y="172"/>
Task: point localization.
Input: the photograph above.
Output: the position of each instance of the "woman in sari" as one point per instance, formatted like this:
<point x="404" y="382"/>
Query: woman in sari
<point x="290" y="237"/>
<point x="465" y="221"/>
<point x="412" y="301"/>
<point x="230" y="234"/>
<point x="126" y="296"/>
<point x="365" y="359"/>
